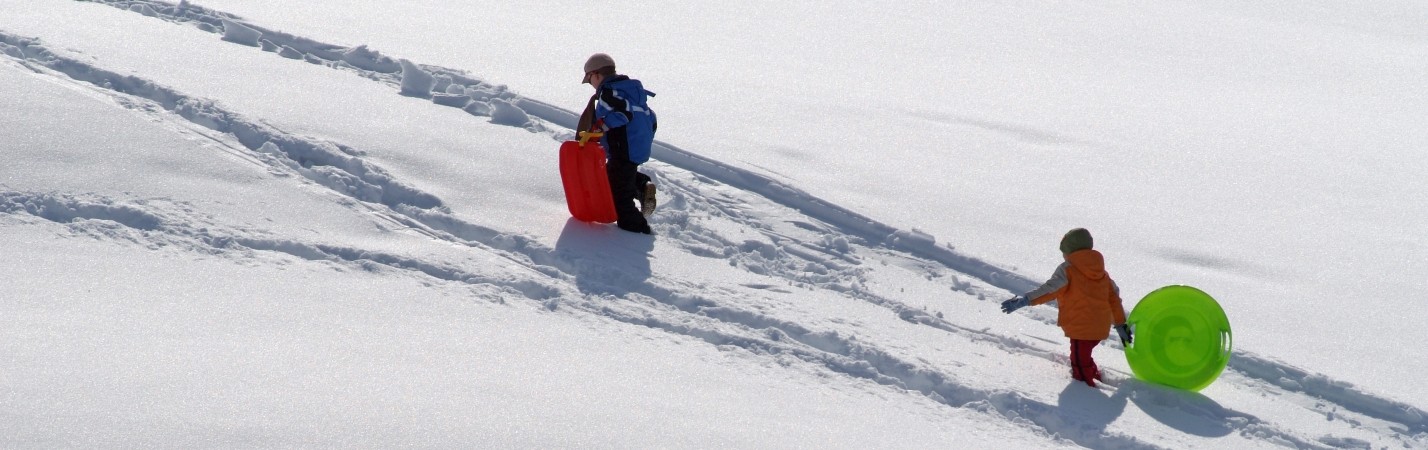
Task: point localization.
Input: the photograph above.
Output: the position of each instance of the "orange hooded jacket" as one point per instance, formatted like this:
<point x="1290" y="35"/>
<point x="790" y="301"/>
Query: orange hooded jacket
<point x="1089" y="300"/>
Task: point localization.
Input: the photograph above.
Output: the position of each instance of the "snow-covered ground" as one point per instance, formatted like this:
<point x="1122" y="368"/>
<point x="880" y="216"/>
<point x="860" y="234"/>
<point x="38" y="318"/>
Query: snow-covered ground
<point x="236" y="223"/>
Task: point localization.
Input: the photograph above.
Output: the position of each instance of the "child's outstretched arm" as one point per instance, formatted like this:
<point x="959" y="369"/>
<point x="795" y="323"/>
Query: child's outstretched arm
<point x="1051" y="288"/>
<point x="1047" y="292"/>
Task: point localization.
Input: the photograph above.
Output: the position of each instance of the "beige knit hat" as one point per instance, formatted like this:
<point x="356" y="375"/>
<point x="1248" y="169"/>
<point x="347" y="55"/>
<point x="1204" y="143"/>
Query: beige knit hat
<point x="596" y="62"/>
<point x="1076" y="239"/>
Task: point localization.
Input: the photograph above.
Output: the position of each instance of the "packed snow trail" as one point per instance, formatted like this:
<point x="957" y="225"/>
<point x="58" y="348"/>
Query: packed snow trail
<point x="787" y="244"/>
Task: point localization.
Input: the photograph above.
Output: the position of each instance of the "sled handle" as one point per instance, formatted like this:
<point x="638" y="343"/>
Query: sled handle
<point x="1226" y="342"/>
<point x="588" y="135"/>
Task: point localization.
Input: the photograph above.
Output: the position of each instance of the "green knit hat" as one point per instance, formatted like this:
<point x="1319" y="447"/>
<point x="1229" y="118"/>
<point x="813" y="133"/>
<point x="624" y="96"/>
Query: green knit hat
<point x="1076" y="239"/>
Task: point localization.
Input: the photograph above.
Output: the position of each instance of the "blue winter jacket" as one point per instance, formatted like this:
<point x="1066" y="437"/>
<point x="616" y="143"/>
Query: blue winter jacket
<point x="625" y="116"/>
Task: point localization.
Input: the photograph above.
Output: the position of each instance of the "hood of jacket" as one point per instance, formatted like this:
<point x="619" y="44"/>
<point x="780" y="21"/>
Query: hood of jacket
<point x="1089" y="262"/>
<point x="623" y="83"/>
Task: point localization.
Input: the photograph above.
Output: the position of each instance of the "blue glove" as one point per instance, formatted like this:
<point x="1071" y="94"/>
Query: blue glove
<point x="1124" y="331"/>
<point x="1014" y="304"/>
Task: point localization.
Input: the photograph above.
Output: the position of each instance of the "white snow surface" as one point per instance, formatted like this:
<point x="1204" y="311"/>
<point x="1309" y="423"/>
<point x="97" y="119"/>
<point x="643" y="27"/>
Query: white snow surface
<point x="274" y="224"/>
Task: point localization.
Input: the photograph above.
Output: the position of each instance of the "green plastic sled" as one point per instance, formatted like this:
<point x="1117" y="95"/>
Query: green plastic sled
<point x="1182" y="338"/>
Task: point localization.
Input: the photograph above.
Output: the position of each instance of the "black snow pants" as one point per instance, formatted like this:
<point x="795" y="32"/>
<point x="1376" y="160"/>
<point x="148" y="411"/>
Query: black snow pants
<point x="626" y="183"/>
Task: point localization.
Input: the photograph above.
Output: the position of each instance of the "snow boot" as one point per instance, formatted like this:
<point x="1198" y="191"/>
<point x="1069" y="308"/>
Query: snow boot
<point x="647" y="201"/>
<point x="635" y="224"/>
<point x="1090" y="381"/>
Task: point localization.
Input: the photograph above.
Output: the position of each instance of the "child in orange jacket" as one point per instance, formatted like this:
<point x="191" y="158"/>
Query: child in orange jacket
<point x="1089" y="300"/>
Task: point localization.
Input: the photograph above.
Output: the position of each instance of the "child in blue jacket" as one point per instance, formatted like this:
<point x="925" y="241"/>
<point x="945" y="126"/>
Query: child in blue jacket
<point x="621" y="111"/>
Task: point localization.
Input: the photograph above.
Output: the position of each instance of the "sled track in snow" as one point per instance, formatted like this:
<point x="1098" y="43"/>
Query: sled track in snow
<point x="341" y="169"/>
<point x="159" y="223"/>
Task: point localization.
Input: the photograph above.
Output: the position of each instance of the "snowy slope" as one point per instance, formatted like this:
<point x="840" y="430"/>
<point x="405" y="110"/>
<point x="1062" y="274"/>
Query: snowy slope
<point x="175" y="287"/>
<point x="1266" y="151"/>
<point x="224" y="245"/>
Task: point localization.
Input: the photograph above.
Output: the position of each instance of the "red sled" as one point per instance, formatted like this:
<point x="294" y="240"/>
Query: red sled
<point x="587" y="185"/>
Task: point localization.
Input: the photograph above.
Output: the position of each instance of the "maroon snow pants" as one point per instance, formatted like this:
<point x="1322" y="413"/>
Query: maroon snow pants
<point x="1083" y="368"/>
